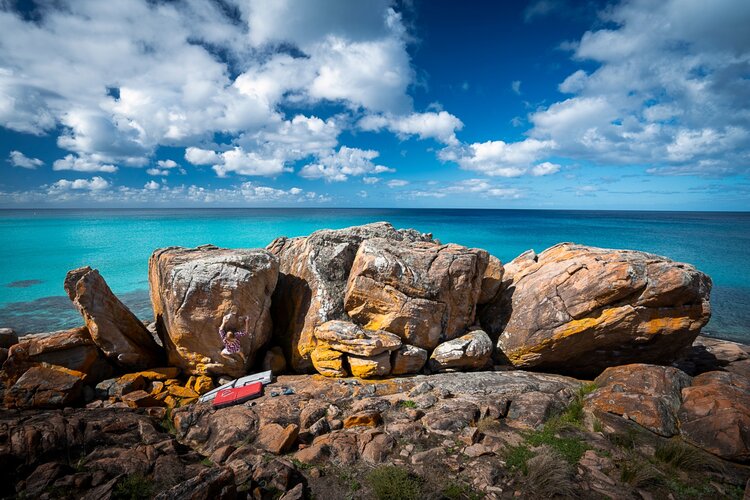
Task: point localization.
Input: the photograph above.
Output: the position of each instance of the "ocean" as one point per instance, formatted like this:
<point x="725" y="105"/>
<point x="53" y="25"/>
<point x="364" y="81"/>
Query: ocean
<point x="38" y="247"/>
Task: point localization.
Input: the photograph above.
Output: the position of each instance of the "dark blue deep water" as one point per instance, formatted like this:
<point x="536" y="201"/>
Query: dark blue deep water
<point x="37" y="247"/>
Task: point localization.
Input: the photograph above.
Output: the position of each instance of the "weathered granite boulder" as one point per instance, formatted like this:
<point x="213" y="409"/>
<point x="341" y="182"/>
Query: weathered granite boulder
<point x="73" y="349"/>
<point x="581" y="309"/>
<point x="192" y="290"/>
<point x="492" y="280"/>
<point x="312" y="280"/>
<point x="349" y="338"/>
<point x="370" y="367"/>
<point x="422" y="291"/>
<point x="114" y="328"/>
<point x="715" y="415"/>
<point x="206" y="429"/>
<point x="468" y="352"/>
<point x="328" y="362"/>
<point x="408" y="359"/>
<point x="45" y="386"/>
<point x="646" y="394"/>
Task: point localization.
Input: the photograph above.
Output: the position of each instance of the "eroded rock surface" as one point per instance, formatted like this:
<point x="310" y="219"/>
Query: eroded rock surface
<point x="715" y="415"/>
<point x="46" y="386"/>
<point x="113" y="327"/>
<point x="581" y="309"/>
<point x="467" y="352"/>
<point x="312" y="282"/>
<point x="191" y="292"/>
<point x="646" y="394"/>
<point x="422" y="291"/>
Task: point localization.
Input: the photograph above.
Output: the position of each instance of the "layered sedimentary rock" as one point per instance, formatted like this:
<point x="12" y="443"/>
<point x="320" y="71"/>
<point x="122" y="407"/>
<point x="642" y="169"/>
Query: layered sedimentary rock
<point x="422" y="291"/>
<point x="113" y="327"/>
<point x="192" y="290"/>
<point x="581" y="309"/>
<point x="467" y="352"/>
<point x="312" y="281"/>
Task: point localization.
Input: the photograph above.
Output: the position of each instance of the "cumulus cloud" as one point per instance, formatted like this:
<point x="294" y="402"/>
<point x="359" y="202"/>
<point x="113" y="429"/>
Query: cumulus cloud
<point x="230" y="71"/>
<point x="94" y="184"/>
<point x="670" y="90"/>
<point x="502" y="159"/>
<point x="441" y="126"/>
<point x="18" y="159"/>
<point x="346" y="162"/>
<point x="83" y="163"/>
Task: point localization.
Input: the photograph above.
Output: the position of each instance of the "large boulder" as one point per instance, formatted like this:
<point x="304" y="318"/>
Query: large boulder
<point x="73" y="349"/>
<point x="349" y="338"/>
<point x="580" y="309"/>
<point x="193" y="289"/>
<point x="114" y="328"/>
<point x="715" y="415"/>
<point x="312" y="281"/>
<point x="45" y="386"/>
<point x="422" y="291"/>
<point x="468" y="352"/>
<point x="648" y="395"/>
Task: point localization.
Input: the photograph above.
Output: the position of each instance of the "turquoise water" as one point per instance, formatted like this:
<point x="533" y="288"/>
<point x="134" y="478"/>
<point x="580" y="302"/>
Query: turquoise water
<point x="39" y="247"/>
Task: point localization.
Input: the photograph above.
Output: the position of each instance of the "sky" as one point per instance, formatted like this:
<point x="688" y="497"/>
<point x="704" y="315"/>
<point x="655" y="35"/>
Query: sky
<point x="546" y="104"/>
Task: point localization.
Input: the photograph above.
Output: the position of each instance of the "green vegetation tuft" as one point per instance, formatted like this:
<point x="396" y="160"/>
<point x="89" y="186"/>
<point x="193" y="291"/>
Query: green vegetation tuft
<point x="134" y="487"/>
<point x="549" y="476"/>
<point x="389" y="482"/>
<point x="408" y="403"/>
<point x="517" y="457"/>
<point x="460" y="491"/>
<point x="639" y="473"/>
<point x="569" y="448"/>
<point x="625" y="440"/>
<point x="681" y="455"/>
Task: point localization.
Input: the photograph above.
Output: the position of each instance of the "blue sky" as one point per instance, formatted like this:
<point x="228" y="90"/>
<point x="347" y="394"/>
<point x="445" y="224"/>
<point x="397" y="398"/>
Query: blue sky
<point x="545" y="104"/>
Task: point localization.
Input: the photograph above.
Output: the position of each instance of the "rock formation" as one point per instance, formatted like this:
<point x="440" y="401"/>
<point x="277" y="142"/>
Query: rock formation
<point x="113" y="327"/>
<point x="312" y="281"/>
<point x="422" y="291"/>
<point x="581" y="309"/>
<point x="192" y="290"/>
<point x="467" y="352"/>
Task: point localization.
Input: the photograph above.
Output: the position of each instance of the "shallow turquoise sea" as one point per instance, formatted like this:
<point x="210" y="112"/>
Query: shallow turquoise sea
<point x="37" y="247"/>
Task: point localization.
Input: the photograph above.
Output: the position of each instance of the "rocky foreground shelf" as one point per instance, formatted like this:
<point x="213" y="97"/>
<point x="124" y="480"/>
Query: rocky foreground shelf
<point x="403" y="371"/>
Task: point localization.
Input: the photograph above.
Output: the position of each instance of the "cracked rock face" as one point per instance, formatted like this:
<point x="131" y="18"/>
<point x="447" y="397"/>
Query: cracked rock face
<point x="468" y="352"/>
<point x="313" y="274"/>
<point x="423" y="292"/>
<point x="580" y="309"/>
<point x="191" y="292"/>
<point x="113" y="327"/>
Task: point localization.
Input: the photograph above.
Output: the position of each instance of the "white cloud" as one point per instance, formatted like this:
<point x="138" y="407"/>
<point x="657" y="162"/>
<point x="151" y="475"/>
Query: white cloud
<point x="83" y="163"/>
<point x="221" y="70"/>
<point x="397" y="183"/>
<point x="670" y="90"/>
<point x="18" y="159"/>
<point x="152" y="185"/>
<point x="471" y="188"/>
<point x="545" y="168"/>
<point x="498" y="158"/>
<point x="441" y="126"/>
<point x="342" y="164"/>
<point x="370" y="180"/>
<point x="167" y="164"/>
<point x="516" y="86"/>
<point x="94" y="184"/>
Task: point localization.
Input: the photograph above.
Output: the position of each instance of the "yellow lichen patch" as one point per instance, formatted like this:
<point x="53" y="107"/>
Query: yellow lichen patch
<point x="202" y="384"/>
<point x="182" y="392"/>
<point x="328" y="362"/>
<point x="664" y="325"/>
<point x="160" y="373"/>
<point x="606" y="318"/>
